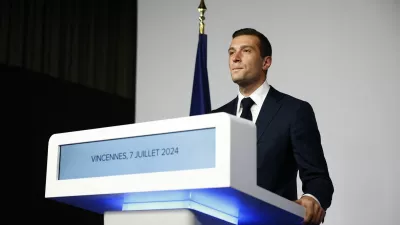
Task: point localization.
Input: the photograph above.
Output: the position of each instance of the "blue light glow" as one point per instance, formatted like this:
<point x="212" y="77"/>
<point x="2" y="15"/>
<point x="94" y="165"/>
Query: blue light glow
<point x="227" y="204"/>
<point x="181" y="205"/>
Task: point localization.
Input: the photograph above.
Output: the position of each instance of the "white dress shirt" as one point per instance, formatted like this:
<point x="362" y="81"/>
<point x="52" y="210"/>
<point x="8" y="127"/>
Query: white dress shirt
<point x="258" y="96"/>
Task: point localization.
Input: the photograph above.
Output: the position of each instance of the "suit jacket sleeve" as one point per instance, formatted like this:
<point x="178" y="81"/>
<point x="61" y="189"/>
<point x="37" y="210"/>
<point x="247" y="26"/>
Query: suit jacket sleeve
<point x="308" y="152"/>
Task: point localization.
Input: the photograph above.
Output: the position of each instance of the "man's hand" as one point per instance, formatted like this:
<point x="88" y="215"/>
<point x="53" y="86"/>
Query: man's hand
<point x="314" y="212"/>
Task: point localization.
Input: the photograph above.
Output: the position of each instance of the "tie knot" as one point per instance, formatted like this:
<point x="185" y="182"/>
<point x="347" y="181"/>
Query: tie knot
<point x="247" y="103"/>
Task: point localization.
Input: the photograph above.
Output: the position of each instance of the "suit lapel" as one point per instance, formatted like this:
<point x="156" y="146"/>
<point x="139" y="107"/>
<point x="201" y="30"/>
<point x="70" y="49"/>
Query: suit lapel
<point x="232" y="107"/>
<point x="268" y="110"/>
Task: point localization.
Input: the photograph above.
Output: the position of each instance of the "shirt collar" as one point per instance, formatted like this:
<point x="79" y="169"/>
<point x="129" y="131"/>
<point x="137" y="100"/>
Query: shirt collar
<point x="258" y="96"/>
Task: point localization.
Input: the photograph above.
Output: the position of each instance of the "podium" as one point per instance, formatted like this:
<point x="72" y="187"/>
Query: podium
<point x="190" y="170"/>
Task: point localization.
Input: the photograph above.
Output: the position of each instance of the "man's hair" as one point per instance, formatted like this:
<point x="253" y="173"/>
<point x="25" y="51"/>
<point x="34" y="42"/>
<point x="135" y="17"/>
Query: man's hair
<point x="265" y="45"/>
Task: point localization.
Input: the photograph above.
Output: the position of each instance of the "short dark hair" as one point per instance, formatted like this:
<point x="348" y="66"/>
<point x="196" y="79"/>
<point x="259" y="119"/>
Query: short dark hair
<point x="265" y="45"/>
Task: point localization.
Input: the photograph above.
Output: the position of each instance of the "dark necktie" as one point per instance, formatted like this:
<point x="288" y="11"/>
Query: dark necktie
<point x="246" y="105"/>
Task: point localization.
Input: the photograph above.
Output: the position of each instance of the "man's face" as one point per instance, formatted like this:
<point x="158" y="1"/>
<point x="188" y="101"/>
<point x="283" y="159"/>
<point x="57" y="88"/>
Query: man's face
<point x="245" y="61"/>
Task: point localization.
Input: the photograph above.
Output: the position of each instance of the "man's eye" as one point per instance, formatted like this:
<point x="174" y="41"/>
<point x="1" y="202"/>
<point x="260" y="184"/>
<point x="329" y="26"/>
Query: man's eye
<point x="246" y="50"/>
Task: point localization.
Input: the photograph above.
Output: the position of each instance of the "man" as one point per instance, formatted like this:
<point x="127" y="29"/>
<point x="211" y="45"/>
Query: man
<point x="288" y="138"/>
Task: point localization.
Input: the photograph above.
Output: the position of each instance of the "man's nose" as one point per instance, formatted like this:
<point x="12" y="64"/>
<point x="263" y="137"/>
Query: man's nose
<point x="236" y="57"/>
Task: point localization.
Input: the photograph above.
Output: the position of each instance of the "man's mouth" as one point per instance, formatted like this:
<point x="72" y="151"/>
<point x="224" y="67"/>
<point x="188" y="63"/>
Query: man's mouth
<point x="235" y="69"/>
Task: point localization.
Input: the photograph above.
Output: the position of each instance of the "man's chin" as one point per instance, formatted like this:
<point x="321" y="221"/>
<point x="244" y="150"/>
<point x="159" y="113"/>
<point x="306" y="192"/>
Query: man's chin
<point x="236" y="79"/>
<point x="239" y="82"/>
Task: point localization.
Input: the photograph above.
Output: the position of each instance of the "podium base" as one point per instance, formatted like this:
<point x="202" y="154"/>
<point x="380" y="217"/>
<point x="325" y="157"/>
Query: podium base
<point x="161" y="217"/>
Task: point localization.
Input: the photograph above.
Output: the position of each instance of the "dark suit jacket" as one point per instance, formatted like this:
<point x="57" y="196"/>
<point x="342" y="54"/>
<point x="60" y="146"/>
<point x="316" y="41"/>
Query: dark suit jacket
<point x="288" y="141"/>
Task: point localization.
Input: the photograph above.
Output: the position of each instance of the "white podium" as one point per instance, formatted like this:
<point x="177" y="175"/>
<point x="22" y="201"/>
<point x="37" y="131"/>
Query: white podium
<point x="191" y="170"/>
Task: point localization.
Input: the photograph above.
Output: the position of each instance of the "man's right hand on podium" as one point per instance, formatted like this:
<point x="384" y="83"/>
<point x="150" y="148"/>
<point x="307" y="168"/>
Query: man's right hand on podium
<point x="314" y="212"/>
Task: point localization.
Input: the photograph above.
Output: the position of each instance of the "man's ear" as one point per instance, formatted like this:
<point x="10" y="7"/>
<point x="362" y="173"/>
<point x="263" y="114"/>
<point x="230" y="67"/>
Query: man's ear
<point x="267" y="61"/>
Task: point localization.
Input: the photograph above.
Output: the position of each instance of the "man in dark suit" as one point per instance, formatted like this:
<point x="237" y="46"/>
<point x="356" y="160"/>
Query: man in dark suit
<point x="288" y="139"/>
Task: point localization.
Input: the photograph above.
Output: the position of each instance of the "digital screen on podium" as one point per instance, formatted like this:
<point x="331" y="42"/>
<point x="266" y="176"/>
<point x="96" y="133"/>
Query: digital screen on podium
<point x="185" y="150"/>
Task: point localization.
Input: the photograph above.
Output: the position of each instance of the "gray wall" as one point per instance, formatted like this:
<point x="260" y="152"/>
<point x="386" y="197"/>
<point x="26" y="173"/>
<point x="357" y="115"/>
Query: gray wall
<point x="341" y="56"/>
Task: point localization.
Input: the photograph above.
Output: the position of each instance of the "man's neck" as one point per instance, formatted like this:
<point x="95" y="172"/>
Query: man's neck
<point x="249" y="89"/>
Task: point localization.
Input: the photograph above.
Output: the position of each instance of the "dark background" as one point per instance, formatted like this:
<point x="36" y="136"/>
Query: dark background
<point x="65" y="65"/>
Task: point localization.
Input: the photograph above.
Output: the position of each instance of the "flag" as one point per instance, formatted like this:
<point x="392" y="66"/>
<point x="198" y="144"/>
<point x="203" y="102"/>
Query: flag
<point x="200" y="103"/>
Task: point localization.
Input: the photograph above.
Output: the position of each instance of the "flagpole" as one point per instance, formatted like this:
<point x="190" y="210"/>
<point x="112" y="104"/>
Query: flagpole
<point x="202" y="9"/>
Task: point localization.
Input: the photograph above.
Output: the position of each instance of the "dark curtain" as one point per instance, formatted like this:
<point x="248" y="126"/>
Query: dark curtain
<point x="90" y="42"/>
<point x="34" y="107"/>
